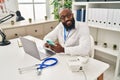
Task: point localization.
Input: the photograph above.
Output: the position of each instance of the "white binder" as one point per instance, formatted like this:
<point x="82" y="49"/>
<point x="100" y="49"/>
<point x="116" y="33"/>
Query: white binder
<point x="110" y="18"/>
<point x="103" y="17"/>
<point x="93" y="16"/>
<point x="89" y="16"/>
<point x="116" y="20"/>
<point x="97" y="16"/>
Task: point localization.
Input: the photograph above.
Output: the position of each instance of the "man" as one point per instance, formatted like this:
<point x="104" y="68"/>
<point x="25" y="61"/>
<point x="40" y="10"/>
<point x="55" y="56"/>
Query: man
<point x="72" y="37"/>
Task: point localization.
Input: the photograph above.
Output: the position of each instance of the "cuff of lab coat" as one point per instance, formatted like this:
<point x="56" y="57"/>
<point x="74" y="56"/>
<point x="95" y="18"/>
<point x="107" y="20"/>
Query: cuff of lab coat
<point x="66" y="50"/>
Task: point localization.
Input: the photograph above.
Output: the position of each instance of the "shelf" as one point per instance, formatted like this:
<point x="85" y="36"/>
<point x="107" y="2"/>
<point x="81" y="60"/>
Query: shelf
<point x="79" y="3"/>
<point x="107" y="50"/>
<point x="102" y="2"/>
<point x="106" y="28"/>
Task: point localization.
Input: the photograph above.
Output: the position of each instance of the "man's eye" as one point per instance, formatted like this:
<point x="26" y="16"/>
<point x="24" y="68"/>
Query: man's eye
<point x="62" y="17"/>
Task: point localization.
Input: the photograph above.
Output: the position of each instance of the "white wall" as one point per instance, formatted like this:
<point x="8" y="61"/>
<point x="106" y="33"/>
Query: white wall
<point x="9" y="6"/>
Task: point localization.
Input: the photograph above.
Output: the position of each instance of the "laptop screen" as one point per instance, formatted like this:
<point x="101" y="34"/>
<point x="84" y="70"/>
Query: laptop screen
<point x="35" y="51"/>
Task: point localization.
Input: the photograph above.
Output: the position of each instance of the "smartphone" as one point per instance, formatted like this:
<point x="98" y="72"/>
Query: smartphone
<point x="50" y="42"/>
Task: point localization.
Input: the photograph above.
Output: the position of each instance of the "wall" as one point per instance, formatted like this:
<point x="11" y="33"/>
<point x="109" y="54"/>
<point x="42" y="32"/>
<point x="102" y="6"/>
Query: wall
<point x="9" y="6"/>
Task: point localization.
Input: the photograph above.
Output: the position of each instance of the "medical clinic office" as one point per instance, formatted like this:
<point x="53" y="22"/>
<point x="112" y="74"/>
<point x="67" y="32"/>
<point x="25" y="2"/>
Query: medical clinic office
<point x="31" y="20"/>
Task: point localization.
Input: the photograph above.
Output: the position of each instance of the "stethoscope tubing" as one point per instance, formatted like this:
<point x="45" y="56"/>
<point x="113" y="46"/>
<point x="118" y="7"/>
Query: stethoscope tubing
<point x="43" y="65"/>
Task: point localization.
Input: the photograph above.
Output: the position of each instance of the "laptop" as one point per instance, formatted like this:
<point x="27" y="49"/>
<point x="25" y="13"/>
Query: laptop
<point x="31" y="48"/>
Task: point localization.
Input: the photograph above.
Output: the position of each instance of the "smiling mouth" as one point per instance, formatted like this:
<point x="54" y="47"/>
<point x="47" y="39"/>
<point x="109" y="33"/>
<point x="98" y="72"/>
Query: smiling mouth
<point x="68" y="23"/>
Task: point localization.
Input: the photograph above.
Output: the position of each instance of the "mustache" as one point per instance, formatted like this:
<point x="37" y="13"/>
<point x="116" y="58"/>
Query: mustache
<point x="71" y="26"/>
<point x="68" y="21"/>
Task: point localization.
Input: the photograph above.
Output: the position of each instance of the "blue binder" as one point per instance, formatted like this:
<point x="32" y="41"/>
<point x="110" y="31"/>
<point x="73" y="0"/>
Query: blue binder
<point x="84" y="15"/>
<point x="79" y="15"/>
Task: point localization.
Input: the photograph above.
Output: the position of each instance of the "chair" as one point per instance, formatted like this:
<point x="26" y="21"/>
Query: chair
<point x="91" y="53"/>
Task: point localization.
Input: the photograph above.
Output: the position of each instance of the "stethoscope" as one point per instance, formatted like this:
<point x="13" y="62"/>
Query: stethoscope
<point x="44" y="65"/>
<point x="40" y="67"/>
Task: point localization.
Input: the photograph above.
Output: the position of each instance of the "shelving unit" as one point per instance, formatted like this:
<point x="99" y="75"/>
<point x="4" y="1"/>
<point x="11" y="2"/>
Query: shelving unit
<point x="103" y="33"/>
<point x="106" y="28"/>
<point x="117" y="70"/>
<point x="107" y="50"/>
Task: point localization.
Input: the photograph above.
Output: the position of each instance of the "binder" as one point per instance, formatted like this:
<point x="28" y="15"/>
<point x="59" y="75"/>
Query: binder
<point x="84" y="15"/>
<point x="110" y="18"/>
<point x="89" y="20"/>
<point x="96" y="16"/>
<point x="118" y="19"/>
<point x="116" y="16"/>
<point x="93" y="16"/>
<point x="103" y="17"/>
<point x="79" y="15"/>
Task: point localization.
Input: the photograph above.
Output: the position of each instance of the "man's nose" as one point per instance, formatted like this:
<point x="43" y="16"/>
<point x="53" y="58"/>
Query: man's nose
<point x="66" y="18"/>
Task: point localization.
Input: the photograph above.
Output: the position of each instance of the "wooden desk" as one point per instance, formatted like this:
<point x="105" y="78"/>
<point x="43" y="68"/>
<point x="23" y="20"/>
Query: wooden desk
<point x="12" y="57"/>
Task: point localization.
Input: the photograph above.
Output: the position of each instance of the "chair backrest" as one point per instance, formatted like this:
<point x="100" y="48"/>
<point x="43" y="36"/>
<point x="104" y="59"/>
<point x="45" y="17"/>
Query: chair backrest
<point x="92" y="47"/>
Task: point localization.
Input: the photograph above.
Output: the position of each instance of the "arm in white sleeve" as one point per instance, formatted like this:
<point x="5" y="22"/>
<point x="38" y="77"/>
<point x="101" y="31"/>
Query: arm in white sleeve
<point x="82" y="49"/>
<point x="53" y="34"/>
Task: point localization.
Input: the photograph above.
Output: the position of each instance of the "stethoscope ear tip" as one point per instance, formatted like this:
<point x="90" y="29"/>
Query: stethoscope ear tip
<point x="39" y="72"/>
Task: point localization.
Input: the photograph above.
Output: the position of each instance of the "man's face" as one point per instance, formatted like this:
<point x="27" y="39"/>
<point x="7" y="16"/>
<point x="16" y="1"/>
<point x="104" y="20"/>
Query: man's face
<point x="67" y="19"/>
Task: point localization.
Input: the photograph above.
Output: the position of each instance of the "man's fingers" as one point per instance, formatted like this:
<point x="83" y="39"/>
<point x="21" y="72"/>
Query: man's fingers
<point x="47" y="45"/>
<point x="51" y="47"/>
<point x="57" y="43"/>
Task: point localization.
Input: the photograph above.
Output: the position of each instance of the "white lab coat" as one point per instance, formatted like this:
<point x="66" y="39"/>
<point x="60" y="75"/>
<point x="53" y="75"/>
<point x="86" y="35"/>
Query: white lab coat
<point x="78" y="41"/>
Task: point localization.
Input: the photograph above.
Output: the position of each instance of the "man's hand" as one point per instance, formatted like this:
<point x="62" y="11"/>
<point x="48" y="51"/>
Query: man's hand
<point x="47" y="45"/>
<point x="57" y="47"/>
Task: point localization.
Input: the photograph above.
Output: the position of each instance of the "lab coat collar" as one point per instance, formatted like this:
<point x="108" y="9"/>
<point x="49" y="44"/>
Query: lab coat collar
<point x="72" y="31"/>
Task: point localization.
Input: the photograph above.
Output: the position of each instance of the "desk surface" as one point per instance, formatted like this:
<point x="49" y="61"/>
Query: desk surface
<point x="12" y="57"/>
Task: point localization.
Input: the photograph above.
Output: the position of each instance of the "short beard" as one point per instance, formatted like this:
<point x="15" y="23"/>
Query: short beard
<point x="72" y="26"/>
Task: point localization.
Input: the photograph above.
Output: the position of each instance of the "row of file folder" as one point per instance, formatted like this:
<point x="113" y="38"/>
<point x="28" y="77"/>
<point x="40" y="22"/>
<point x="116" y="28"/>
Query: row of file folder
<point x="103" y="17"/>
<point x="81" y="14"/>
